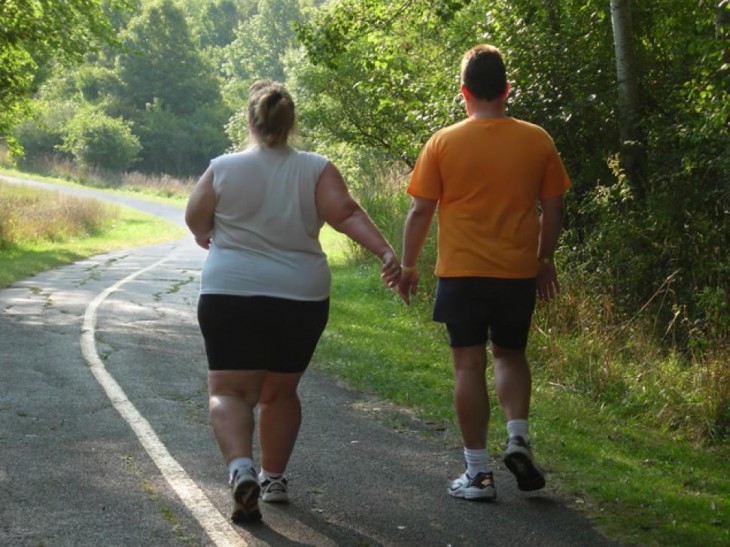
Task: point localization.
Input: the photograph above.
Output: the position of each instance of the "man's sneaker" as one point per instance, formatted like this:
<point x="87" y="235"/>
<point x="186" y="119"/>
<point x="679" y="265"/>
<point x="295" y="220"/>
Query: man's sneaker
<point x="245" y="488"/>
<point x="518" y="459"/>
<point x="480" y="487"/>
<point x="274" y="490"/>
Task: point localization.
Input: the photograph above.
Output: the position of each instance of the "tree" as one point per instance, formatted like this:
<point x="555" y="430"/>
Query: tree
<point x="384" y="75"/>
<point x="259" y="47"/>
<point x="632" y="139"/>
<point x="34" y="32"/>
<point x="162" y="62"/>
<point x="170" y="92"/>
<point x="219" y="21"/>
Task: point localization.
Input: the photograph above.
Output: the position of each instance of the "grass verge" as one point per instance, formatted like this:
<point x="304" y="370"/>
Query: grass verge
<point x="30" y="254"/>
<point x="640" y="486"/>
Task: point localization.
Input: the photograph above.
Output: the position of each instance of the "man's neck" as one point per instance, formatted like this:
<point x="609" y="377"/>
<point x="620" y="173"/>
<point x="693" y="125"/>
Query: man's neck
<point x="484" y="109"/>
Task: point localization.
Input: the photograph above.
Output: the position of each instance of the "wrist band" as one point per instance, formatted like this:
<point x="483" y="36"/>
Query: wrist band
<point x="407" y="269"/>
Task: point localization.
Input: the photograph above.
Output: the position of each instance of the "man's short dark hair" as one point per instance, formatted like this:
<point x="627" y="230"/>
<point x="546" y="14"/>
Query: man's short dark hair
<point x="483" y="72"/>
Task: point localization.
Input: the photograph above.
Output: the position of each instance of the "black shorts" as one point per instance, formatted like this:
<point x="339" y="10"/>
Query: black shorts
<point x="477" y="309"/>
<point x="260" y="332"/>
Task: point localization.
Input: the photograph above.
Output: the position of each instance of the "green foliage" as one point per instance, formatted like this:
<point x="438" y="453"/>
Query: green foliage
<point x="32" y="32"/>
<point x="170" y="93"/>
<point x="97" y="140"/>
<point x="161" y="62"/>
<point x="218" y="21"/>
<point x="667" y="249"/>
<point x="42" y="134"/>
<point x="96" y="84"/>
<point x="384" y="76"/>
<point x="259" y="47"/>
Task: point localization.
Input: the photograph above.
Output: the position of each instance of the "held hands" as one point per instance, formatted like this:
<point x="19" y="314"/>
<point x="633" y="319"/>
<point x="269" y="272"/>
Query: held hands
<point x="408" y="283"/>
<point x="396" y="276"/>
<point x="390" y="273"/>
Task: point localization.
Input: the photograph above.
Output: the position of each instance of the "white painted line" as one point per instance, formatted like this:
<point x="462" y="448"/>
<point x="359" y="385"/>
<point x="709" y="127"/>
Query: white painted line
<point x="218" y="528"/>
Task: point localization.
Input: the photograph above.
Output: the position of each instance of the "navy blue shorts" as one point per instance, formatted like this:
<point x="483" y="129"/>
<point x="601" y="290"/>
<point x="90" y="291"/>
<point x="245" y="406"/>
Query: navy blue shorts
<point x="260" y="332"/>
<point x="478" y="309"/>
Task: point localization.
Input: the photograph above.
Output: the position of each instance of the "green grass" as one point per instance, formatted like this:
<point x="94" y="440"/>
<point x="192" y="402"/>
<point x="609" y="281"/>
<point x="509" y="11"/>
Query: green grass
<point x="31" y="253"/>
<point x="131" y="229"/>
<point x="640" y="486"/>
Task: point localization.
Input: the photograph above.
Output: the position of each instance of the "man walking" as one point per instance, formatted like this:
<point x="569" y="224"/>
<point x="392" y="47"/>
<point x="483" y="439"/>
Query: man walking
<point x="487" y="175"/>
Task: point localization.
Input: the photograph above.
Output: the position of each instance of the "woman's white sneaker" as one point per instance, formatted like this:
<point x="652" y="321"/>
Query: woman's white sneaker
<point x="274" y="489"/>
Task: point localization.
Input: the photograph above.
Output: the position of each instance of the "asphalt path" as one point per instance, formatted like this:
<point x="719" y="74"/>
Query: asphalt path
<point x="104" y="438"/>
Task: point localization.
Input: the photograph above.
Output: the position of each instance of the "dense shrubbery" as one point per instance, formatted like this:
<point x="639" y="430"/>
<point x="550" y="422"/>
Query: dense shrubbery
<point x="97" y="140"/>
<point x="158" y="100"/>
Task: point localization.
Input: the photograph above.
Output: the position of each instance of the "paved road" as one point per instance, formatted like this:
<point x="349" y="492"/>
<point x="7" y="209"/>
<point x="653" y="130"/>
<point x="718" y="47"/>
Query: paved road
<point x="104" y="437"/>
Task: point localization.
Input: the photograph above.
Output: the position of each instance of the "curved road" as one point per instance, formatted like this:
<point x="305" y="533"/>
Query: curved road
<point x="104" y="437"/>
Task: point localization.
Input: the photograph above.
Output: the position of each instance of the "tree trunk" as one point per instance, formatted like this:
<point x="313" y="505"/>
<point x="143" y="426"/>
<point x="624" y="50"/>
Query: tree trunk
<point x="630" y="133"/>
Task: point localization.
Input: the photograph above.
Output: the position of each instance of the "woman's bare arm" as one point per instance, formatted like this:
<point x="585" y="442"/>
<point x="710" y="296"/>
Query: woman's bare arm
<point x="200" y="209"/>
<point x="339" y="209"/>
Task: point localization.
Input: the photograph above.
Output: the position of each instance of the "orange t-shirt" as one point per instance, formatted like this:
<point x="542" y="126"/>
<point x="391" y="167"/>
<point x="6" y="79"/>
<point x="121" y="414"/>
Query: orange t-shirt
<point x="488" y="175"/>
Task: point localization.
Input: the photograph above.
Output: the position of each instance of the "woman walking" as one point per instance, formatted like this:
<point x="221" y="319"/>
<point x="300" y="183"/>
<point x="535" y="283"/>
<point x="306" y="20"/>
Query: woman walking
<point x="265" y="287"/>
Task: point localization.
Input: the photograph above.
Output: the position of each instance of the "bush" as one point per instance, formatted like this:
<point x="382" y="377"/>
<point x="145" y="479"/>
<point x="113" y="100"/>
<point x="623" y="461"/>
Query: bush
<point x="42" y="133"/>
<point x="97" y="140"/>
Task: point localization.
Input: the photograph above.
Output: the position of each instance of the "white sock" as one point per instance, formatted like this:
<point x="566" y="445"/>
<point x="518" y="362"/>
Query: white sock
<point x="238" y="463"/>
<point x="517" y="428"/>
<point x="477" y="461"/>
<point x="263" y="475"/>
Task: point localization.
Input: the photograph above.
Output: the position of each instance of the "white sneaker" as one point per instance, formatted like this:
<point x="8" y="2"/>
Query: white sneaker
<point x="274" y="489"/>
<point x="480" y="487"/>
<point x="518" y="459"/>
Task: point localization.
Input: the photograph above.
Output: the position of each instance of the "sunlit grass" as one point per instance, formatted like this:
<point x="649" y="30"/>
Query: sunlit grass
<point x="618" y="361"/>
<point x="29" y="216"/>
<point x="639" y="485"/>
<point x="40" y="230"/>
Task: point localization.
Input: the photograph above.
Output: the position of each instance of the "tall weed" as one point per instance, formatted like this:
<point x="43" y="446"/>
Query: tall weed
<point x="29" y="215"/>
<point x="584" y="342"/>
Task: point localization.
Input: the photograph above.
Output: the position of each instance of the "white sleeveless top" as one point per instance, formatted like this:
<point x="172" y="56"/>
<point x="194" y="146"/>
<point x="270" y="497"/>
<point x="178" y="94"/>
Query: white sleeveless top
<point x="266" y="228"/>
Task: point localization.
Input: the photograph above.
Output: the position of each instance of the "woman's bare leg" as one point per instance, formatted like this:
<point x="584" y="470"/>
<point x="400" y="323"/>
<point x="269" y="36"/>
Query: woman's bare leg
<point x="280" y="415"/>
<point x="233" y="395"/>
